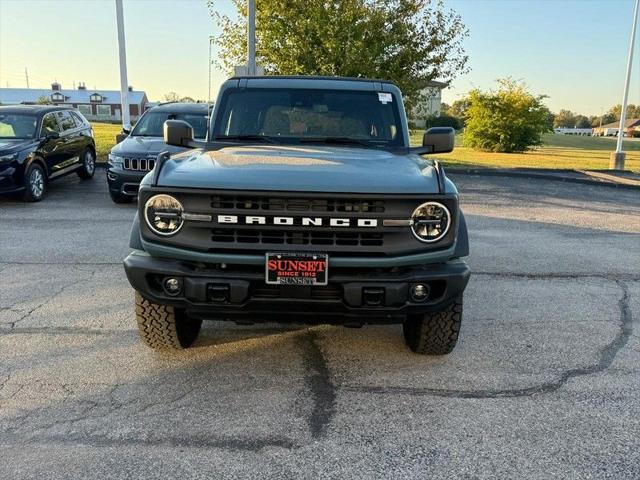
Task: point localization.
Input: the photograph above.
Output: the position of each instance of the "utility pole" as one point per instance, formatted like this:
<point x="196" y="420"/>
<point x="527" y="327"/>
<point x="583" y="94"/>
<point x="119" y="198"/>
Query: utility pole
<point x="26" y="75"/>
<point x="251" y="39"/>
<point x="209" y="85"/>
<point x="124" y="84"/>
<point x="616" y="161"/>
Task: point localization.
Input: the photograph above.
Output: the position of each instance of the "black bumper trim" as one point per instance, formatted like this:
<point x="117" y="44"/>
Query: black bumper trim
<point x="343" y="300"/>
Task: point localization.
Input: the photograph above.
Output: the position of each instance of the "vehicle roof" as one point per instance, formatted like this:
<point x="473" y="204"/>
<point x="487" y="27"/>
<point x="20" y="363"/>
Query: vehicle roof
<point x="181" y="107"/>
<point x="32" y="109"/>
<point x="312" y="82"/>
<point x="311" y="77"/>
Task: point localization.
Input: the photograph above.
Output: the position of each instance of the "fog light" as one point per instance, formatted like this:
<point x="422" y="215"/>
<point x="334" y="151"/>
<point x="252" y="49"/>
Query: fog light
<point x="420" y="292"/>
<point x="172" y="286"/>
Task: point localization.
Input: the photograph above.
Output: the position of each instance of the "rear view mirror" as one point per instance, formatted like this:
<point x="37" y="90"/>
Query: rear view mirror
<point x="439" y="139"/>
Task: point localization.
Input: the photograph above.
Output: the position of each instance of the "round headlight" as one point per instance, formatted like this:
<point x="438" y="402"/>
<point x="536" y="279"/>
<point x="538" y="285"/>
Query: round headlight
<point x="430" y="222"/>
<point x="163" y="214"/>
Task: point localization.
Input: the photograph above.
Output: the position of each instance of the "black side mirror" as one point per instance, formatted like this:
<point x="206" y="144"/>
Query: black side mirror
<point x="121" y="136"/>
<point x="179" y="134"/>
<point x="439" y="139"/>
<point x="52" y="135"/>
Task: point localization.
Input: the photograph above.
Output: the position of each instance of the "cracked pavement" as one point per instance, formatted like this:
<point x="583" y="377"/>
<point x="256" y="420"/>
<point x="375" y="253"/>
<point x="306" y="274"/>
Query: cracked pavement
<point x="544" y="381"/>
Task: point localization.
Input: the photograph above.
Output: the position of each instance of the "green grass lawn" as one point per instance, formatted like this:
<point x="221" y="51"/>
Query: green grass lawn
<point x="558" y="151"/>
<point x="105" y="135"/>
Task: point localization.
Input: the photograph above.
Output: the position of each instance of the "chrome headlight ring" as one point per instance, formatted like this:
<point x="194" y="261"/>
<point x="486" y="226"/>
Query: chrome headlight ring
<point x="430" y="222"/>
<point x="163" y="215"/>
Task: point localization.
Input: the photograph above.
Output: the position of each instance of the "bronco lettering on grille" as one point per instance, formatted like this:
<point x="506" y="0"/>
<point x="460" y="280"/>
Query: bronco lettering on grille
<point x="299" y="221"/>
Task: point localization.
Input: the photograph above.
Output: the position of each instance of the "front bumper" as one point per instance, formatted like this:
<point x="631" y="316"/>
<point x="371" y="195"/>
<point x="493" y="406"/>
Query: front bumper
<point x="124" y="182"/>
<point x="354" y="295"/>
<point x="11" y="178"/>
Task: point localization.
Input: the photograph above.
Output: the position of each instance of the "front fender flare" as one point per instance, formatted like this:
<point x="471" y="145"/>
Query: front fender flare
<point x="134" y="237"/>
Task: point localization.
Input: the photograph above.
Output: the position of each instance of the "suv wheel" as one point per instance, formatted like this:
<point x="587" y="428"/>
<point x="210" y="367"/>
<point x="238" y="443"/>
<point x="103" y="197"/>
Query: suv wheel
<point x="162" y="327"/>
<point x="434" y="333"/>
<point x="120" y="197"/>
<point x="88" y="164"/>
<point x="35" y="183"/>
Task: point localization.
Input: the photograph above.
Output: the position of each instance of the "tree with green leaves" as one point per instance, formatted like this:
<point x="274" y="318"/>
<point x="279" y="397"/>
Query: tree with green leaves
<point x="43" y="100"/>
<point x="582" y="122"/>
<point x="633" y="111"/>
<point x="564" y="119"/>
<point x="407" y="41"/>
<point x="603" y="120"/>
<point x="509" y="119"/>
<point x="459" y="109"/>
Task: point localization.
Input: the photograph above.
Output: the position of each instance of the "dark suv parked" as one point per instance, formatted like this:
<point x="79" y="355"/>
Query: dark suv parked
<point x="131" y="159"/>
<point x="39" y="143"/>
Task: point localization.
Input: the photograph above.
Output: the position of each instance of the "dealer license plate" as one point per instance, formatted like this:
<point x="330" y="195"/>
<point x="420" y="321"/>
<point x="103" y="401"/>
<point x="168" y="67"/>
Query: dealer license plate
<point x="297" y="268"/>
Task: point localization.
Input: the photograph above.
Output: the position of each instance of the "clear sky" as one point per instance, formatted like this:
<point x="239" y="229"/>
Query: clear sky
<point x="573" y="51"/>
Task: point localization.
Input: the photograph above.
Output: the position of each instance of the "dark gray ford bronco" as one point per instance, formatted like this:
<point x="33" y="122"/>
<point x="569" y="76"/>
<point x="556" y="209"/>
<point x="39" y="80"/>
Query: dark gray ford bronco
<point x="306" y="205"/>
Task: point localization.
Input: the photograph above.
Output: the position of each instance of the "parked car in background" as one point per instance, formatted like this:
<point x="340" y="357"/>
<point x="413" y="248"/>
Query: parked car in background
<point x="39" y="143"/>
<point x="131" y="159"/>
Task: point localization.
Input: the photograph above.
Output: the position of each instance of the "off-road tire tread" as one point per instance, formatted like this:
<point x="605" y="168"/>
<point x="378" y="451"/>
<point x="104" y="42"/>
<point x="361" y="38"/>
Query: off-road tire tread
<point x="159" y="328"/>
<point x="435" y="333"/>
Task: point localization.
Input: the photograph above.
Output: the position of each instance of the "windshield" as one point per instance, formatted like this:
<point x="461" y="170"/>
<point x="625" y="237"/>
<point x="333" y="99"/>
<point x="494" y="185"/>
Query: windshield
<point x="17" y="125"/>
<point x="151" y="123"/>
<point x="295" y="115"/>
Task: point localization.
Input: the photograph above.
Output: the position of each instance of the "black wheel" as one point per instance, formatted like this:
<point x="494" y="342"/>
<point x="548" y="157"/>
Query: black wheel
<point x="120" y="197"/>
<point x="434" y="333"/>
<point x="162" y="327"/>
<point x="88" y="167"/>
<point x="35" y="183"/>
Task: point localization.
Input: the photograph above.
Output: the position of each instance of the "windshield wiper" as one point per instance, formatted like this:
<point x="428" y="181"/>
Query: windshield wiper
<point x="339" y="141"/>
<point x="248" y="138"/>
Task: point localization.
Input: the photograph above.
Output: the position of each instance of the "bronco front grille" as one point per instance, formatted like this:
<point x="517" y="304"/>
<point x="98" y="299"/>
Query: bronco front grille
<point x="286" y="204"/>
<point x="339" y="224"/>
<point x="139" y="164"/>
<point x="283" y="237"/>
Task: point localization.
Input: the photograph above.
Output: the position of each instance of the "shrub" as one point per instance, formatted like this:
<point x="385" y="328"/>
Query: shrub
<point x="443" y="121"/>
<point x="507" y="120"/>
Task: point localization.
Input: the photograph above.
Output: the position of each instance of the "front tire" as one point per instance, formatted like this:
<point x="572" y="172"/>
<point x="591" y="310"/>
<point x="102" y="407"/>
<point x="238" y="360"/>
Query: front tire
<point x="35" y="183"/>
<point x="88" y="167"/>
<point x="162" y="327"/>
<point x="434" y="333"/>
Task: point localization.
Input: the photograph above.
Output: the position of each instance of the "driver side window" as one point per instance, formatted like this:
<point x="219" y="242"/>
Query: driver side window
<point x="49" y="125"/>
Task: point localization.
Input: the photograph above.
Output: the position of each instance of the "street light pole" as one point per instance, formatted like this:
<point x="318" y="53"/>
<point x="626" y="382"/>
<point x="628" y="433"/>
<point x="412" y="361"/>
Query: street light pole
<point x="251" y="39"/>
<point x="124" y="84"/>
<point x="617" y="158"/>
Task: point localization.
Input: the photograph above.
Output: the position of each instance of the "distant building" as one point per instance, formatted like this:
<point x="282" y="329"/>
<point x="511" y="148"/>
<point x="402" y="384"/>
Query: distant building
<point x="631" y="128"/>
<point x="429" y="103"/>
<point x="574" y="131"/>
<point x="97" y="105"/>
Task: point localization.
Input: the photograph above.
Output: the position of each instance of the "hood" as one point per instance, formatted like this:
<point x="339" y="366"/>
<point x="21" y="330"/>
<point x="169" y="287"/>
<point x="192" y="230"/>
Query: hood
<point x="12" y="145"/>
<point x="301" y="168"/>
<point x="143" y="146"/>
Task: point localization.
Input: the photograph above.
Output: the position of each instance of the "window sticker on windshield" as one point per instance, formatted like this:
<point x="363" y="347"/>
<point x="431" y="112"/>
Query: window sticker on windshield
<point x="384" y="97"/>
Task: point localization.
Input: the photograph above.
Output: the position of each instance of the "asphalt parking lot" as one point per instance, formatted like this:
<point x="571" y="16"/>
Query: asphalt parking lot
<point x="544" y="382"/>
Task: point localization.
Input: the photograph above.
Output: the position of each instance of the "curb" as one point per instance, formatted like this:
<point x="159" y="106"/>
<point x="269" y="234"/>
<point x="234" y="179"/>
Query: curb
<point x="539" y="175"/>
